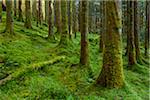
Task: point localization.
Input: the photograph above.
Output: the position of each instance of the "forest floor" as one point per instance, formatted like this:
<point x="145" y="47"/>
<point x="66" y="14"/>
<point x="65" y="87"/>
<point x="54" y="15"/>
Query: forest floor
<point x="58" y="75"/>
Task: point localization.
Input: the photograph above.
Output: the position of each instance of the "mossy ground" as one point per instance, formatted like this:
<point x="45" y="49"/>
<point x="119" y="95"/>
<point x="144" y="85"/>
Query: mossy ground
<point x="64" y="79"/>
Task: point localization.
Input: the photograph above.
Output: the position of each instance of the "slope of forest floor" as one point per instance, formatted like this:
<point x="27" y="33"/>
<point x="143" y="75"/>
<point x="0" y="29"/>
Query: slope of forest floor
<point x="63" y="79"/>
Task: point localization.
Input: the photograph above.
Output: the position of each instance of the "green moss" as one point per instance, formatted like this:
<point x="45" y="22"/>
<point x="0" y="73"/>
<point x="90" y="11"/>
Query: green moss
<point x="64" y="79"/>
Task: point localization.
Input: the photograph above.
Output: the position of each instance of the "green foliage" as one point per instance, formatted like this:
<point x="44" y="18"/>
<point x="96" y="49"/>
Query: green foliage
<point x="64" y="79"/>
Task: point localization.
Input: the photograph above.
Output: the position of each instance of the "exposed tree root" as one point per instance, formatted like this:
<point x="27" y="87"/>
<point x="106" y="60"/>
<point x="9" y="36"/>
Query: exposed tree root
<point x="36" y="66"/>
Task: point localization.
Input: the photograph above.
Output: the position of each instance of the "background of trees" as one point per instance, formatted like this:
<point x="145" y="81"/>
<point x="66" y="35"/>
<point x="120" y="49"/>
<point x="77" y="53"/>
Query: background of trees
<point x="122" y="32"/>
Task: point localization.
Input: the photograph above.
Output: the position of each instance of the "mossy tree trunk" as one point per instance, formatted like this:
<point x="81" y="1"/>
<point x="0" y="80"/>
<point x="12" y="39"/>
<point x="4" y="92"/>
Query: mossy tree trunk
<point x="15" y="8"/>
<point x="50" y="25"/>
<point x="70" y="18"/>
<point x="58" y="15"/>
<point x="0" y="11"/>
<point x="20" y="17"/>
<point x="111" y="75"/>
<point x="136" y="31"/>
<point x="9" y="18"/>
<point x="64" y="24"/>
<point x="75" y="20"/>
<point x="84" y="32"/>
<point x="147" y="33"/>
<point x="130" y="34"/>
<point x="27" y="14"/>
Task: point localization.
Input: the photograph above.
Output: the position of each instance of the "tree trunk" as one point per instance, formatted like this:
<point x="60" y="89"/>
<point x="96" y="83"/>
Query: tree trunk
<point x="15" y="8"/>
<point x="130" y="34"/>
<point x="112" y="71"/>
<point x="9" y="18"/>
<point x="40" y="12"/>
<point x="64" y="25"/>
<point x="136" y="30"/>
<point x="147" y="33"/>
<point x="20" y="18"/>
<point x="58" y="15"/>
<point x="84" y="32"/>
<point x="70" y="18"/>
<point x="75" y="21"/>
<point x="103" y="10"/>
<point x="28" y="14"/>
<point x="46" y="10"/>
<point x="34" y="10"/>
<point x="0" y="11"/>
<point x="50" y="26"/>
<point x="79" y="15"/>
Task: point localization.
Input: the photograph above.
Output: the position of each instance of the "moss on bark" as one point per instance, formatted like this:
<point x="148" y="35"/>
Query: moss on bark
<point x="64" y="24"/>
<point x="112" y="71"/>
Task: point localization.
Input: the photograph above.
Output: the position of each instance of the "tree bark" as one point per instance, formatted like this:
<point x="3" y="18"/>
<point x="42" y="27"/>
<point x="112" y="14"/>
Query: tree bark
<point x="136" y="31"/>
<point x="64" y="24"/>
<point x="101" y="42"/>
<point x="46" y="10"/>
<point x="0" y="11"/>
<point x="70" y="18"/>
<point x="28" y="14"/>
<point x="15" y="8"/>
<point x="147" y="33"/>
<point x="58" y="15"/>
<point x="84" y="32"/>
<point x="40" y="12"/>
<point x="34" y="10"/>
<point x="79" y="16"/>
<point x="111" y="75"/>
<point x="50" y="26"/>
<point x="75" y="20"/>
<point x="130" y="34"/>
<point x="9" y="18"/>
<point x="20" y="18"/>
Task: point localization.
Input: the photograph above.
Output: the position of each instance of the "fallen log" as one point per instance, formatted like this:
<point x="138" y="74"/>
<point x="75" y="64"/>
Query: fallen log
<point x="20" y="71"/>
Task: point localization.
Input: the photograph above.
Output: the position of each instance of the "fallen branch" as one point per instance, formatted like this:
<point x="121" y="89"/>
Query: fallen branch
<point x="21" y="71"/>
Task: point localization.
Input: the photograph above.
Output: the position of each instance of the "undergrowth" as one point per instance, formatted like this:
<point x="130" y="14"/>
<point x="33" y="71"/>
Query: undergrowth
<point x="65" y="79"/>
